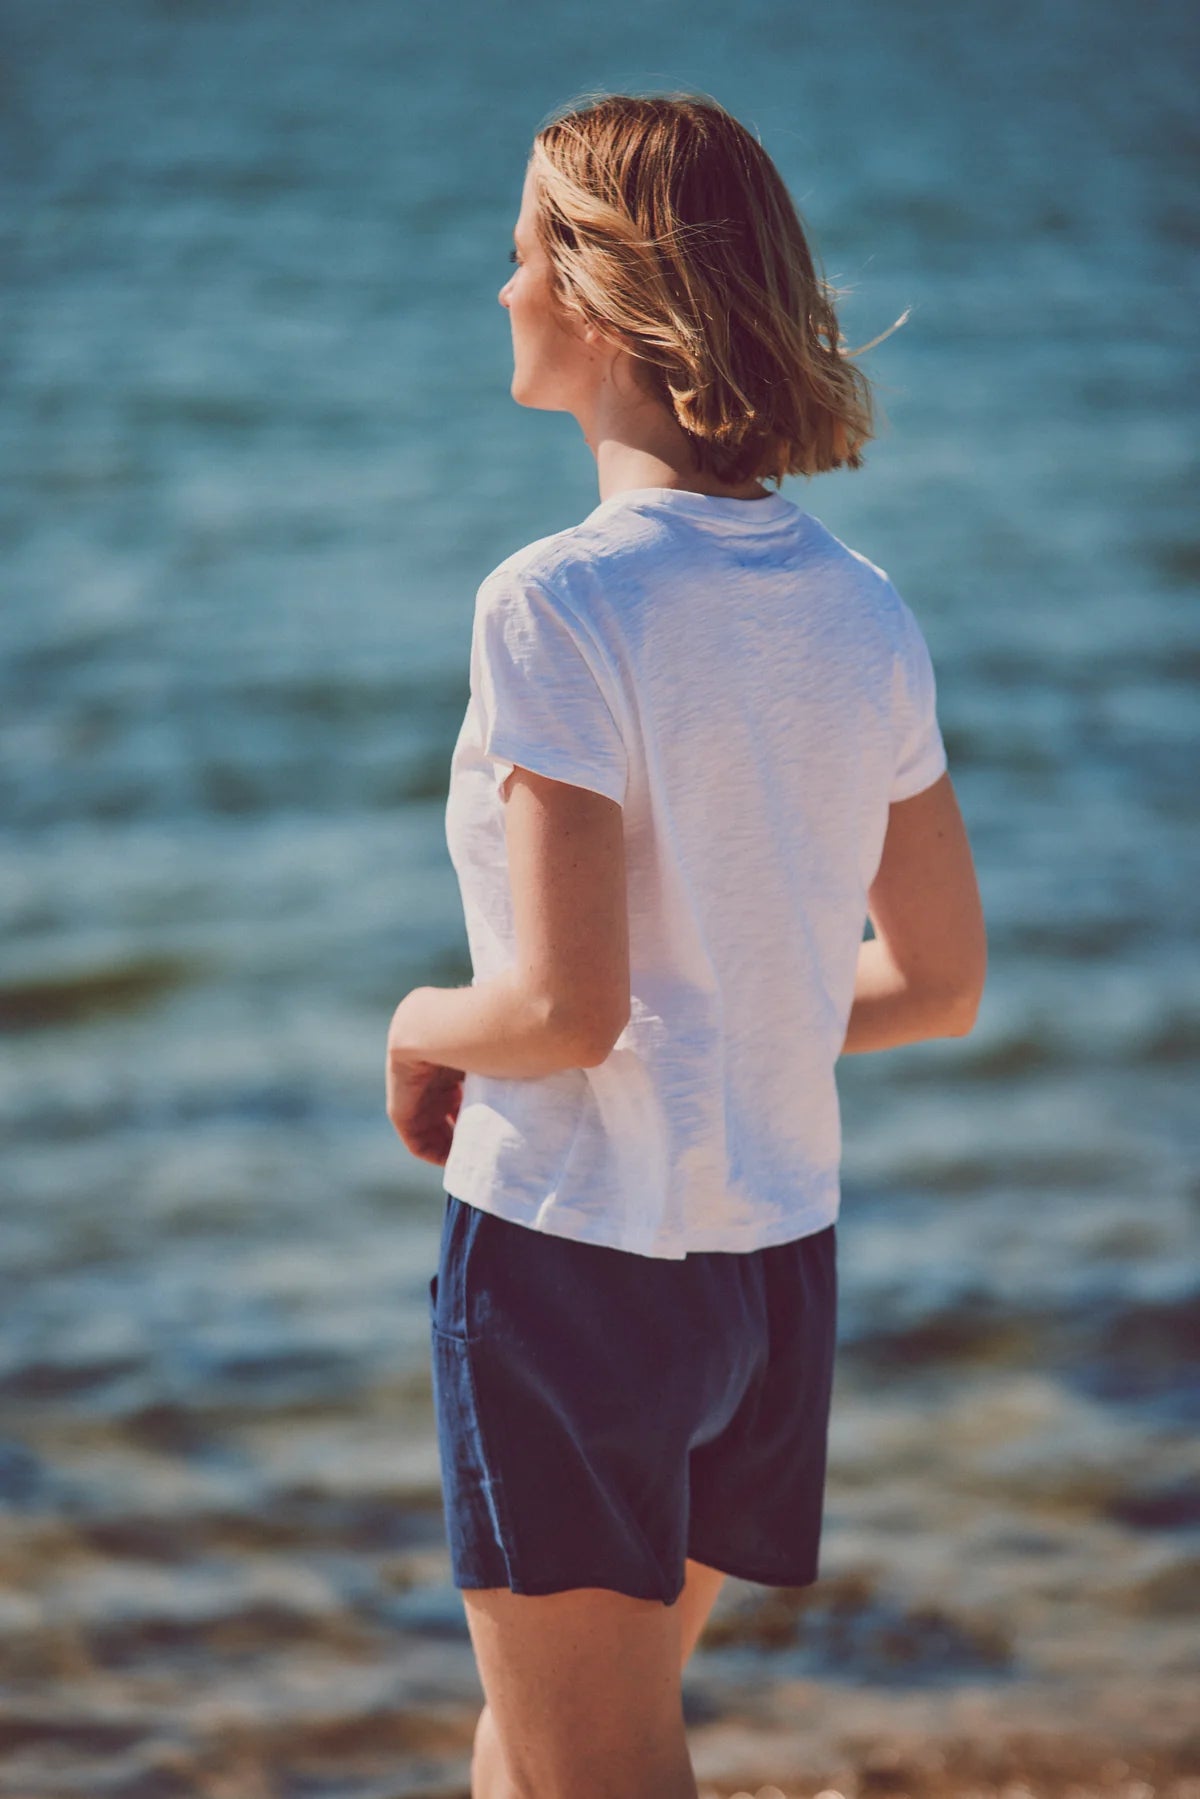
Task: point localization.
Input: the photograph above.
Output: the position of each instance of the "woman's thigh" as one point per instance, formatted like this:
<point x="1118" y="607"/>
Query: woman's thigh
<point x="585" y="1690"/>
<point x="701" y="1590"/>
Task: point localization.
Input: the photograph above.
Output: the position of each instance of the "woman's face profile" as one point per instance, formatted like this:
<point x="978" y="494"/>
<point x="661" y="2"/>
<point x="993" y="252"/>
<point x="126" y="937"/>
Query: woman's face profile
<point x="553" y="364"/>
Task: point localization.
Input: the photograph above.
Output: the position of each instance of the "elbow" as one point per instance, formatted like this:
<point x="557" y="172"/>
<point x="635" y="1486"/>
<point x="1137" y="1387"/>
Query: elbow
<point x="963" y="977"/>
<point x="599" y="1045"/>
<point x="589" y="1038"/>
<point x="962" y="1007"/>
<point x="960" y="1016"/>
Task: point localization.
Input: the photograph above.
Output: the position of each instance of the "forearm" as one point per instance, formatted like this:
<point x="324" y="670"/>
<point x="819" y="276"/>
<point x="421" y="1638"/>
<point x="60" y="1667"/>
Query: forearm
<point x="497" y="1027"/>
<point x="890" y="1009"/>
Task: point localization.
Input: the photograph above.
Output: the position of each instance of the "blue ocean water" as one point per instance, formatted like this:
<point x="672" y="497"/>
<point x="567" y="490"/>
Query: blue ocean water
<point x="258" y="451"/>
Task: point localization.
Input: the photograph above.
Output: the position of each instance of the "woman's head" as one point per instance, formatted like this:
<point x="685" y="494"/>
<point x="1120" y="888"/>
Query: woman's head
<point x="663" y="226"/>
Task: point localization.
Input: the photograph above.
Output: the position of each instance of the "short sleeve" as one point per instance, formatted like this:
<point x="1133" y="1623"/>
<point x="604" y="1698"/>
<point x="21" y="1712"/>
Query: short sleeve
<point x="543" y="690"/>
<point x="920" y="754"/>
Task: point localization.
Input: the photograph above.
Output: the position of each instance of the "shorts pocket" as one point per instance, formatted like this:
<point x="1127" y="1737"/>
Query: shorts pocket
<point x="477" y="1523"/>
<point x="450" y="1289"/>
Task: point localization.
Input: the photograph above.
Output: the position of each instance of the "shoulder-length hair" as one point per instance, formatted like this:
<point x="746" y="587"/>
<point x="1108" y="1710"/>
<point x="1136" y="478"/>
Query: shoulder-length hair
<point x="669" y="228"/>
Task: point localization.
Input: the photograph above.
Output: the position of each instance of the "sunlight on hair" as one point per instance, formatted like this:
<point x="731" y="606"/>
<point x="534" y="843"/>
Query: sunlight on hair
<point x="860" y="350"/>
<point x="669" y="230"/>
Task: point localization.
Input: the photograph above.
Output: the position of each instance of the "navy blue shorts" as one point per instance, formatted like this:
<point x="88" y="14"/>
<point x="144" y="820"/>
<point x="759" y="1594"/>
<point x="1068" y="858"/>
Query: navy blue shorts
<point x="602" y="1415"/>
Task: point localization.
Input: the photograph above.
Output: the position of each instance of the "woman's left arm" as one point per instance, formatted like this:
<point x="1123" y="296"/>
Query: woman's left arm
<point x="566" y="998"/>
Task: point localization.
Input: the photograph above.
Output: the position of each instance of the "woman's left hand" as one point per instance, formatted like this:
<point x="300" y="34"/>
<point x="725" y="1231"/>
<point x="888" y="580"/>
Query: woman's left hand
<point x="423" y="1098"/>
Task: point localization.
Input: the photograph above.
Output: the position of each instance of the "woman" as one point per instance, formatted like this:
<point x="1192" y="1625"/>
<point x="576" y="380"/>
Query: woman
<point x="701" y="748"/>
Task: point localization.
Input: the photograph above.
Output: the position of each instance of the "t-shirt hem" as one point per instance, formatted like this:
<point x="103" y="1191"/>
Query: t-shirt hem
<point x="732" y="1239"/>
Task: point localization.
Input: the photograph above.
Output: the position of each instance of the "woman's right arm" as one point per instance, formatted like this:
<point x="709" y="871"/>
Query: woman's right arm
<point x="922" y="973"/>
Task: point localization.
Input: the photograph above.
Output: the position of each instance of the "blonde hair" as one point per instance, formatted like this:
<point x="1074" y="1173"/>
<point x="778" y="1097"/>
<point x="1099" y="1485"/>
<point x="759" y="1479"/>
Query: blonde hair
<point x="669" y="228"/>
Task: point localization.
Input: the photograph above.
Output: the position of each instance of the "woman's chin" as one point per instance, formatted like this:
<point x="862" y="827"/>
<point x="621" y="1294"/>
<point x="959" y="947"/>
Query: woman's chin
<point x="529" y="393"/>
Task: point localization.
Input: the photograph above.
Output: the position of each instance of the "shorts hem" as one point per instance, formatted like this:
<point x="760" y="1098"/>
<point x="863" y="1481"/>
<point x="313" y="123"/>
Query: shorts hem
<point x="541" y="1589"/>
<point x="759" y="1577"/>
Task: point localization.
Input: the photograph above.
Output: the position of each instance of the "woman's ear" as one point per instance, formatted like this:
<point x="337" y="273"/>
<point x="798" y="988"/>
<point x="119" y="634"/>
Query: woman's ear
<point x="604" y="342"/>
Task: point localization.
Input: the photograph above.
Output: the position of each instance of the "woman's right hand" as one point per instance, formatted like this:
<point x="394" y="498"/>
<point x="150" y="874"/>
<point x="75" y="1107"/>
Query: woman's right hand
<point x="423" y="1101"/>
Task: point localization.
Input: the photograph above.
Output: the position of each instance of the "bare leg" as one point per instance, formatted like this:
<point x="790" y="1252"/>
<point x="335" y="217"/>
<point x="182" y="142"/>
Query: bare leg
<point x="489" y="1775"/>
<point x="700" y="1590"/>
<point x="612" y="1771"/>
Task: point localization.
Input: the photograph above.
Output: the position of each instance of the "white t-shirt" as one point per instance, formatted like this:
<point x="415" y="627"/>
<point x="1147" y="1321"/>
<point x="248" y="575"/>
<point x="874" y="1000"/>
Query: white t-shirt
<point x="755" y="694"/>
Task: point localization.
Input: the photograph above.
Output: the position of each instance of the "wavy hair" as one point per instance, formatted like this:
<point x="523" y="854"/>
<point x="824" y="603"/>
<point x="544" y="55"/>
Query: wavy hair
<point x="669" y="229"/>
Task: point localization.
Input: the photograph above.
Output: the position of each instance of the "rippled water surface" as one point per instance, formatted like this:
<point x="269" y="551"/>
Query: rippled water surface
<point x="258" y="452"/>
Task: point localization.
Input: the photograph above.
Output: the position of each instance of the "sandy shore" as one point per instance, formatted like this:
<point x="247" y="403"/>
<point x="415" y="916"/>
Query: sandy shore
<point x="822" y="1743"/>
<point x="1018" y="1768"/>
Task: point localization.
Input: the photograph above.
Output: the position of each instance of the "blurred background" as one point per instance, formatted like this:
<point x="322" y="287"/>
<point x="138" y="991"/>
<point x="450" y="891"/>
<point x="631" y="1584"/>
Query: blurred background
<point x="258" y="452"/>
